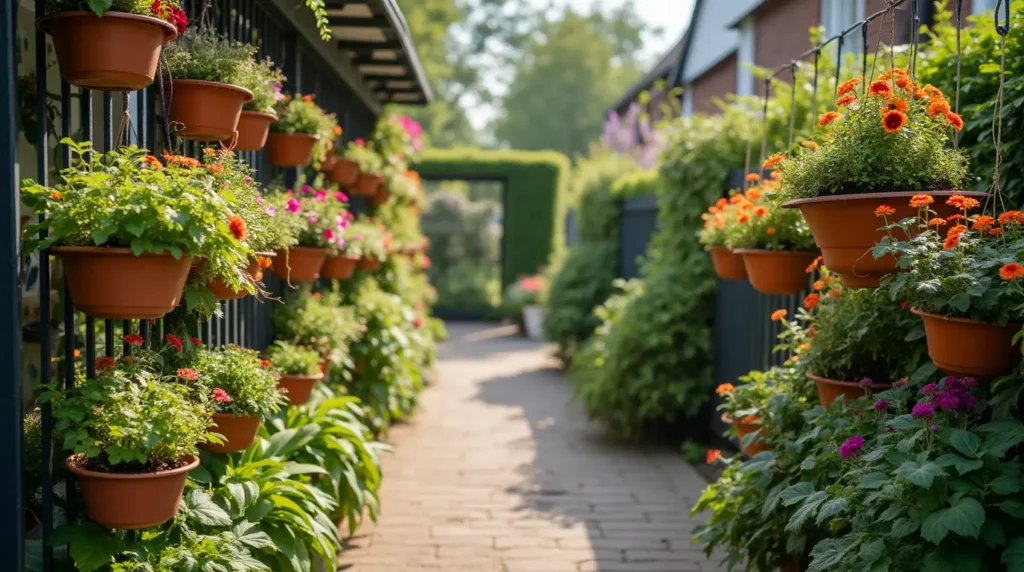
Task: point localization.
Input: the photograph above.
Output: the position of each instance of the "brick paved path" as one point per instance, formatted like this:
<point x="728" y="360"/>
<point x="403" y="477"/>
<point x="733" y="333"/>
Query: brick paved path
<point x="499" y="472"/>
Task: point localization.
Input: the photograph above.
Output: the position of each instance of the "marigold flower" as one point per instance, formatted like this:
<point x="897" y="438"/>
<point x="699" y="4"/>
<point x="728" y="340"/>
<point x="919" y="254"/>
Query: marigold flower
<point x="188" y="373"/>
<point x="725" y="388"/>
<point x="905" y="84"/>
<point x="937" y="222"/>
<point x="895" y="72"/>
<point x="174" y="341"/>
<point x="753" y="177"/>
<point x="215" y="168"/>
<point x="770" y="231"/>
<point x="880" y="88"/>
<point x="956" y="201"/>
<point x="846" y="100"/>
<point x="995" y="231"/>
<point x="956" y="218"/>
<point x="955" y="121"/>
<point x="983" y="222"/>
<point x="238" y="227"/>
<point x="779" y="314"/>
<point x="721" y="203"/>
<point x="773" y="160"/>
<point x="897" y="104"/>
<point x="760" y="212"/>
<point x="884" y="210"/>
<point x="813" y="265"/>
<point x="835" y="293"/>
<point x="819" y="285"/>
<point x="938" y="107"/>
<point x="812" y="145"/>
<point x="970" y="203"/>
<point x="827" y="117"/>
<point x="754" y="193"/>
<point x="132" y="339"/>
<point x="713" y="455"/>
<point x="851" y="446"/>
<point x="221" y="395"/>
<point x="951" y="242"/>
<point x="848" y="86"/>
<point x="1011" y="271"/>
<point x="336" y="130"/>
<point x="932" y="91"/>
<point x="153" y="162"/>
<point x="744" y="218"/>
<point x="893" y="121"/>
<point x="919" y="201"/>
<point x="956" y="230"/>
<point x="736" y="199"/>
<point x="1011" y="217"/>
<point x="811" y="301"/>
<point x="104" y="363"/>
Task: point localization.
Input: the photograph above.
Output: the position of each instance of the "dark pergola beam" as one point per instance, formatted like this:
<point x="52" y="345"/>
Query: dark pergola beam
<point x="365" y="58"/>
<point x="357" y="46"/>
<point x="354" y="22"/>
<point x="386" y="78"/>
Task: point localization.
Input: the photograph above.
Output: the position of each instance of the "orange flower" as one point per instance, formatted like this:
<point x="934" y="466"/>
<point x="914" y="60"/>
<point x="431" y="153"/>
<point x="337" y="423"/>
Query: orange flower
<point x="721" y="203"/>
<point x="811" y="301"/>
<point x="970" y="203"/>
<point x="713" y="455"/>
<point x="819" y="285"/>
<point x="1015" y="217"/>
<point x="264" y="262"/>
<point x="918" y="201"/>
<point x="770" y="231"/>
<point x="55" y="196"/>
<point x="754" y="193"/>
<point x="880" y="88"/>
<point x="905" y="83"/>
<point x="893" y="121"/>
<point x="1011" y="271"/>
<point x="813" y="266"/>
<point x="753" y="177"/>
<point x="215" y="168"/>
<point x="938" y="107"/>
<point x="750" y="419"/>
<point x="937" y="222"/>
<point x="760" y="212"/>
<point x="812" y="145"/>
<point x="955" y="121"/>
<point x="779" y="314"/>
<point x="834" y="293"/>
<point x="895" y="72"/>
<point x="725" y="388"/>
<point x="744" y="218"/>
<point x="736" y="199"/>
<point x="773" y="160"/>
<point x="846" y="100"/>
<point x="307" y="97"/>
<point x="776" y="176"/>
<point x="956" y="218"/>
<point x="78" y="353"/>
<point x="153" y="162"/>
<point x="983" y="222"/>
<point x="848" y="86"/>
<point x="897" y="104"/>
<point x="884" y="210"/>
<point x="209" y="151"/>
<point x="237" y="226"/>
<point x="956" y="201"/>
<point x="827" y="117"/>
<point x="995" y="231"/>
<point x="803" y="347"/>
<point x="810" y="331"/>
<point x="932" y="91"/>
<point x="336" y="130"/>
<point x="951" y="242"/>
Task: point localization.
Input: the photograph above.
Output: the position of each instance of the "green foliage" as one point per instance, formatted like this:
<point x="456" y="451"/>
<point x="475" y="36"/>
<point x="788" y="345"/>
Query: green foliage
<point x="465" y="249"/>
<point x="535" y="188"/>
<point x="140" y="7"/>
<point x="203" y="54"/>
<point x="583" y="284"/>
<point x="364" y="239"/>
<point x="765" y="224"/>
<point x="591" y="191"/>
<point x="299" y="114"/>
<point x="251" y="387"/>
<point x="319" y="322"/>
<point x="291" y="359"/>
<point x="369" y="160"/>
<point x="264" y="80"/>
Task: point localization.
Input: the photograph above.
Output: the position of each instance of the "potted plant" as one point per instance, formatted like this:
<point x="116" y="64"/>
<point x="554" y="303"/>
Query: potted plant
<point x="344" y="171"/>
<point x="132" y="477"/>
<point x="115" y="45"/>
<point x="106" y="219"/>
<point x="300" y="124"/>
<point x="962" y="275"/>
<point x="367" y="242"/>
<point x="264" y="80"/>
<point x="240" y="387"/>
<point x="341" y="258"/>
<point x="887" y="146"/>
<point x="319" y="322"/>
<point x="775" y="243"/>
<point x="299" y="368"/>
<point x="522" y="300"/>
<point x="312" y="227"/>
<point x="370" y="165"/>
<point x="719" y="222"/>
<point x="205" y="92"/>
<point x="741" y="408"/>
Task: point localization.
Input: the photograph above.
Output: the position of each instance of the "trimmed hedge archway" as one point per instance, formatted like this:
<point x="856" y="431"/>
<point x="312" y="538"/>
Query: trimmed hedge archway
<point x="534" y="199"/>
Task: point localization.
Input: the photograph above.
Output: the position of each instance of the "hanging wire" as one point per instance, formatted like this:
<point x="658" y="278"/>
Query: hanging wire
<point x="956" y="102"/>
<point x="764" y="121"/>
<point x="814" y="94"/>
<point x="839" y="62"/>
<point x="915" y="27"/>
<point x="997" y="122"/>
<point x="792" y="109"/>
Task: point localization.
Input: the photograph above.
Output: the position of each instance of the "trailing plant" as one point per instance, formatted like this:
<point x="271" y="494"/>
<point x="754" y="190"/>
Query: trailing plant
<point x="299" y="114"/>
<point x="290" y="359"/>
<point x="309" y="218"/>
<point x="369" y="160"/>
<point x="364" y="239"/>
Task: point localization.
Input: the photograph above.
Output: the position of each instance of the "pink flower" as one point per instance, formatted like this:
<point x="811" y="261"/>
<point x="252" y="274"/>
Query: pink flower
<point x="306" y="189"/>
<point x="248" y="181"/>
<point x="259" y="199"/>
<point x="294" y="206"/>
<point x="852" y="446"/>
<point x="357" y="237"/>
<point x="188" y="373"/>
<point x="866" y="382"/>
<point x="340" y="242"/>
<point x="313" y="219"/>
<point x="320" y="196"/>
<point x="881" y="405"/>
<point x="288" y="192"/>
<point x="418" y="322"/>
<point x="340" y="196"/>
<point x="360" y="143"/>
<point x="328" y="234"/>
<point x="221" y="395"/>
<point x="271" y="211"/>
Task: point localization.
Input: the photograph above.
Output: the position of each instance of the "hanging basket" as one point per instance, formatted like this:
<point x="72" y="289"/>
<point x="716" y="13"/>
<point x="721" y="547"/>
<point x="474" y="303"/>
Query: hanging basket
<point x="339" y="267"/>
<point x="845" y="228"/>
<point x="298" y="387"/>
<point x="299" y="263"/>
<point x="239" y="432"/>
<point x="381" y="196"/>
<point x="222" y="291"/>
<point x="965" y="348"/>
<point x="728" y="265"/>
<point x="114" y="284"/>
<point x="206" y="110"/>
<point x="366" y="185"/>
<point x="327" y="165"/>
<point x="345" y="172"/>
<point x="253" y="128"/>
<point x="777" y="271"/>
<point x="131" y="501"/>
<point x="290" y="149"/>
<point x="369" y="264"/>
<point x="118" y="52"/>
<point x="743" y="429"/>
<point x="830" y="389"/>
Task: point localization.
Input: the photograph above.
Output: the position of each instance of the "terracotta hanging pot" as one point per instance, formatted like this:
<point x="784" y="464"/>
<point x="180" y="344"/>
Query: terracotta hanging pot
<point x="239" y="432"/>
<point x="345" y="172"/>
<point x="366" y="185"/>
<point x="728" y="265"/>
<point x="253" y="128"/>
<point x="382" y="195"/>
<point x="743" y="429"/>
<point x="206" y="110"/>
<point x="777" y="271"/>
<point x="830" y="389"/>
<point x="327" y="165"/>
<point x="299" y="263"/>
<point x="299" y="387"/>
<point x="222" y="291"/>
<point x="118" y="52"/>
<point x="845" y="228"/>
<point x="369" y="264"/>
<point x="339" y="267"/>
<point x="113" y="283"/>
<point x="290" y="149"/>
<point x="131" y="501"/>
<point x="965" y="348"/>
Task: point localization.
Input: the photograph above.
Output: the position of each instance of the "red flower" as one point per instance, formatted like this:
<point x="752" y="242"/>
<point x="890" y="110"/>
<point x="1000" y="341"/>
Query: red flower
<point x="104" y="363"/>
<point x="265" y="363"/>
<point x="1011" y="271"/>
<point x="197" y="342"/>
<point x="880" y="88"/>
<point x="846" y="100"/>
<point x="238" y="227"/>
<point x="811" y="301"/>
<point x="955" y="121"/>
<point x="132" y="339"/>
<point x="893" y="121"/>
<point x="174" y="341"/>
<point x="221" y="395"/>
<point x="713" y="455"/>
<point x="188" y="373"/>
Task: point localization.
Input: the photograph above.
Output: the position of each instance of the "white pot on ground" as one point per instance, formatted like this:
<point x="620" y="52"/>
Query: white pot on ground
<point x="533" y="315"/>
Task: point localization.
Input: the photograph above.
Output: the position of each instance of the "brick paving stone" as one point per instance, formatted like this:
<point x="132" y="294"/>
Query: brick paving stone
<point x="500" y="471"/>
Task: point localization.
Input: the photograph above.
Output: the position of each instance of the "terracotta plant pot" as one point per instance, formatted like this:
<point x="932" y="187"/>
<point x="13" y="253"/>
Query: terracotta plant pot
<point x="327" y="165"/>
<point x="222" y="291"/>
<point x="253" y="128"/>
<point x="965" y="348"/>
<point x="829" y="389"/>
<point x="118" y="52"/>
<point x="339" y="267"/>
<point x="113" y="283"/>
<point x="728" y="265"/>
<point x="290" y="149"/>
<point x="845" y="228"/>
<point x="369" y="264"/>
<point x="299" y="387"/>
<point x="239" y="432"/>
<point x="366" y="185"/>
<point x="131" y="501"/>
<point x="206" y="110"/>
<point x="381" y="197"/>
<point x="775" y="271"/>
<point x="299" y="263"/>
<point x="743" y="429"/>
<point x="345" y="172"/>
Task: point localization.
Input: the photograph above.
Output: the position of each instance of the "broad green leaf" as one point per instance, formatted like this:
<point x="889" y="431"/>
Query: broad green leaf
<point x="1005" y="484"/>
<point x="964" y="518"/>
<point x="832" y="508"/>
<point x="1013" y="556"/>
<point x="961" y="464"/>
<point x="966" y="442"/>
<point x="872" y="551"/>
<point x="921" y="475"/>
<point x="904" y="527"/>
<point x="797" y="493"/>
<point x="205" y="511"/>
<point x="874" y="480"/>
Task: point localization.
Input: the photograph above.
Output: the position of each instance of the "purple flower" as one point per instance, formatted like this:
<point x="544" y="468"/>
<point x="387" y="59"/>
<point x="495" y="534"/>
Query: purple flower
<point x="950" y="382"/>
<point x="881" y="405"/>
<point x="966" y="403"/>
<point x="866" y="382"/>
<point x="929" y="389"/>
<point x="890" y="429"/>
<point x="320" y="196"/>
<point x="899" y="383"/>
<point x="970" y="382"/>
<point x="340" y="196"/>
<point x="923" y="409"/>
<point x="294" y="206"/>
<point x="934" y="428"/>
<point x="271" y="211"/>
<point x="851" y="446"/>
<point x="946" y="400"/>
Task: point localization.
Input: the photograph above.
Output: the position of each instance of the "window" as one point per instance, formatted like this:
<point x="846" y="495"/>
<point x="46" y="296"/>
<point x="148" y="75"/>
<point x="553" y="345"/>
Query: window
<point x="838" y="15"/>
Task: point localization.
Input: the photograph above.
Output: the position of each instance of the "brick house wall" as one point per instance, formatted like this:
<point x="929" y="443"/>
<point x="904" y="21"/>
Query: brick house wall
<point x="781" y="32"/>
<point x="716" y="82"/>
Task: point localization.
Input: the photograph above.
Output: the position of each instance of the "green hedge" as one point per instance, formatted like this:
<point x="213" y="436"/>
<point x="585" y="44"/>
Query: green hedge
<point x="535" y="199"/>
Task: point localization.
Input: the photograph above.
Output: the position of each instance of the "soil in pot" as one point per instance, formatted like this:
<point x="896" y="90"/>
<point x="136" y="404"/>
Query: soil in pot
<point x="131" y="501"/>
<point x="299" y="387"/>
<point x="339" y="267"/>
<point x="253" y="128"/>
<point x="290" y="149"/>
<point x="369" y="264"/>
<point x="206" y="110"/>
<point x="345" y="172"/>
<point x="239" y="432"/>
<point x="118" y="52"/>
<point x="744" y="428"/>
<point x="382" y="195"/>
<point x="113" y="283"/>
<point x="830" y="389"/>
<point x="965" y="348"/>
<point x="776" y="271"/>
<point x="728" y="265"/>
<point x="299" y="263"/>
<point x="845" y="228"/>
<point x="366" y="185"/>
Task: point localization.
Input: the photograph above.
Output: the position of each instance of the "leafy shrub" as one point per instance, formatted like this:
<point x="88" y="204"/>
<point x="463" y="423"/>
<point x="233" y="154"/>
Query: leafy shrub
<point x="583" y="284"/>
<point x="317" y="321"/>
<point x="290" y="359"/>
<point x="526" y="291"/>
<point x="249" y="387"/>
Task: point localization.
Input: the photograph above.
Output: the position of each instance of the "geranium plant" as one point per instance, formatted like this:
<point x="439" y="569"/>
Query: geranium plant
<point x="369" y="160"/>
<point x="310" y="216"/>
<point x="364" y="239"/>
<point x="233" y="380"/>
<point x="300" y="114"/>
<point x="291" y="359"/>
